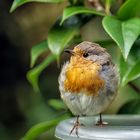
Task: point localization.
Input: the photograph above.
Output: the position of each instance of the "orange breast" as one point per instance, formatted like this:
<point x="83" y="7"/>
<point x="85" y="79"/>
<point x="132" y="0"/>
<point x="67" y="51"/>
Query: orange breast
<point x="83" y="76"/>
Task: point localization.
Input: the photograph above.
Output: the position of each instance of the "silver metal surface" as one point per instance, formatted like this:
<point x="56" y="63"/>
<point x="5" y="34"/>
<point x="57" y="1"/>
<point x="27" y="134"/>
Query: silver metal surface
<point x="120" y="127"/>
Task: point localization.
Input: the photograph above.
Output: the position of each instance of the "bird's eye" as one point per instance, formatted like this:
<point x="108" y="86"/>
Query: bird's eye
<point x="85" y="55"/>
<point x="107" y="63"/>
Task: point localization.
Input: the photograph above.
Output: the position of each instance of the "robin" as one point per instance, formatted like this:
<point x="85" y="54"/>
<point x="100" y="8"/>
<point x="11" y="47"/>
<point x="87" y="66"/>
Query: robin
<point x="88" y="83"/>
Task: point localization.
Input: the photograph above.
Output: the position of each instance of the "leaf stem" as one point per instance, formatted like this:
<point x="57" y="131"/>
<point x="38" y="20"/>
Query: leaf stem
<point x="134" y="87"/>
<point x="107" y="7"/>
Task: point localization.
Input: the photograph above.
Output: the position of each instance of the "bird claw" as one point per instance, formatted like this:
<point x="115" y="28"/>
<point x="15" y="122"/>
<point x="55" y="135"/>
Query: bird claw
<point x="76" y="126"/>
<point x="101" y="123"/>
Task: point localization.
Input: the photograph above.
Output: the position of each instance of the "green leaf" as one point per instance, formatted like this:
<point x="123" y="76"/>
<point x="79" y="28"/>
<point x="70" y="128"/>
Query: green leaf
<point x="129" y="9"/>
<point x="33" y="74"/>
<point x="18" y="3"/>
<point x="130" y="32"/>
<point x="58" y="39"/>
<point x="132" y="107"/>
<point x="37" y="50"/>
<point x="38" y="129"/>
<point x="124" y="69"/>
<point x="123" y="33"/>
<point x="114" y="29"/>
<point x="130" y="70"/>
<point x="133" y="73"/>
<point x="57" y="104"/>
<point x="71" y="11"/>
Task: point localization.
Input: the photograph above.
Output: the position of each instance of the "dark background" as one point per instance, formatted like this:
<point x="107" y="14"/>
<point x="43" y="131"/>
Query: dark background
<point x="20" y="106"/>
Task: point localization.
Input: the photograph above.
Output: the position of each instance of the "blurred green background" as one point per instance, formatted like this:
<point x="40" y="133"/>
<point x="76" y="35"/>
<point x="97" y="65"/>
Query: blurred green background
<point x="20" y="106"/>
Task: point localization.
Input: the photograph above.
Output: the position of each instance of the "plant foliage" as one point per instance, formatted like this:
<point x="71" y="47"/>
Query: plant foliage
<point x="123" y="27"/>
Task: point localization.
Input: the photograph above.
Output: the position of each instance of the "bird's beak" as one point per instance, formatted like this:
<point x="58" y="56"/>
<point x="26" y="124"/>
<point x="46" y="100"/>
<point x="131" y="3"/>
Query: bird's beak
<point x="69" y="51"/>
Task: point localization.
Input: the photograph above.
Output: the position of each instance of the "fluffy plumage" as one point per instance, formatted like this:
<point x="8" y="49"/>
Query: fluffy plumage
<point x="88" y="83"/>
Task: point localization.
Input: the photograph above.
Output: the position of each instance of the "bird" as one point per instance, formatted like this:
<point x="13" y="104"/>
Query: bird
<point x="88" y="82"/>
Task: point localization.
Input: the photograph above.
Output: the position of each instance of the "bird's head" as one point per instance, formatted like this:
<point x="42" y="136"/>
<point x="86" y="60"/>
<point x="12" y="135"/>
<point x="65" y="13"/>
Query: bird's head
<point x="88" y="51"/>
<point x="86" y="63"/>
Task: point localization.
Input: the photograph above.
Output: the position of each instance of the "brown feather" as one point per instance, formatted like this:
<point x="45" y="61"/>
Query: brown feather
<point x="83" y="75"/>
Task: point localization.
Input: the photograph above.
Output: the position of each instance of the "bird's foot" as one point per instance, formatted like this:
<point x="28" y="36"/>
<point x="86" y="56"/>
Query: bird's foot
<point x="76" y="126"/>
<point x="101" y="123"/>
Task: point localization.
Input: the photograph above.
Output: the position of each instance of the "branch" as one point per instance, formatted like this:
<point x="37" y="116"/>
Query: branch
<point x="132" y="85"/>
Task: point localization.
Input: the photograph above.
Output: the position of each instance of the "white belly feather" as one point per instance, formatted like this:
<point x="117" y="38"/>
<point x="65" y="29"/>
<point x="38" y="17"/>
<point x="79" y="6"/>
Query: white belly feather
<point x="81" y="104"/>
